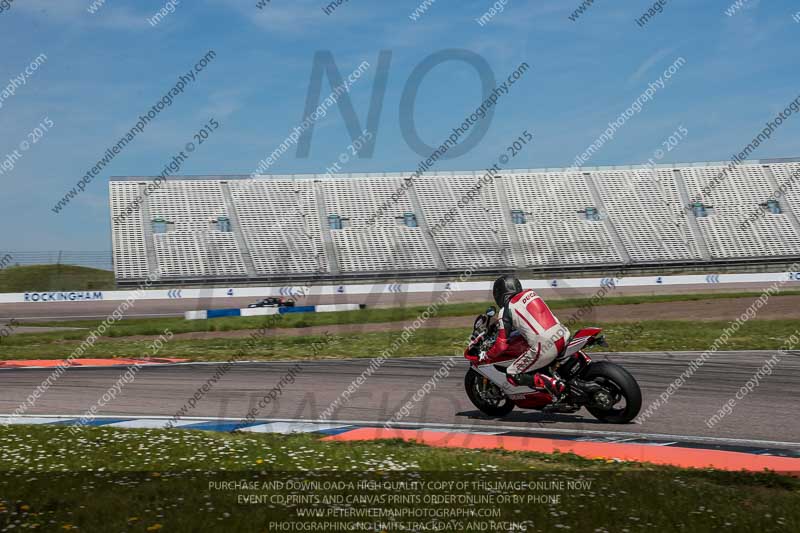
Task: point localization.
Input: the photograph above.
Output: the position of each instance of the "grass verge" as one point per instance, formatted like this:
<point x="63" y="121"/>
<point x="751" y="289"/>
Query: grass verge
<point x="105" y="479"/>
<point x="55" y="278"/>
<point x="155" y="326"/>
<point x="622" y="337"/>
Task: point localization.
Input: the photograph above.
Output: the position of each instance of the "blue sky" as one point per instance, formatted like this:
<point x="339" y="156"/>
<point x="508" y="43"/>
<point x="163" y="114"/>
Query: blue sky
<point x="105" y="69"/>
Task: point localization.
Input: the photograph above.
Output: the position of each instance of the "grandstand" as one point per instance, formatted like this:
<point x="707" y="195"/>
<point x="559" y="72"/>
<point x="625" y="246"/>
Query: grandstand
<point x="236" y="229"/>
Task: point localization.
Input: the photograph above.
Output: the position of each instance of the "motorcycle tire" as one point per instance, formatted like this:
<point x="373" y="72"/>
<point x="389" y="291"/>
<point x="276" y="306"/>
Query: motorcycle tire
<point x="615" y="377"/>
<point x="472" y="382"/>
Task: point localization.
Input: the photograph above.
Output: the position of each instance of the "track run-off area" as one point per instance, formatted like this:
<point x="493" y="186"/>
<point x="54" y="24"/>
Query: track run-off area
<point x="763" y="421"/>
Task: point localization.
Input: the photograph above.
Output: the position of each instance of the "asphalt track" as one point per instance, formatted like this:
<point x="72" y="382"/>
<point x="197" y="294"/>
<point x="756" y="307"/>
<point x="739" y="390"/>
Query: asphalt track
<point x="55" y="311"/>
<point x="765" y="418"/>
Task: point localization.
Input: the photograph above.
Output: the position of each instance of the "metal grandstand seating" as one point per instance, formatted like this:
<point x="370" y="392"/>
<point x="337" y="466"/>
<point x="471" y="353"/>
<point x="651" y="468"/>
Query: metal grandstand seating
<point x="647" y="208"/>
<point x="557" y="233"/>
<point x="737" y="195"/>
<point x="127" y="234"/>
<point x="280" y="225"/>
<point x="477" y="237"/>
<point x="388" y="245"/>
<point x="195" y="247"/>
<point x="787" y="177"/>
<point x="307" y="227"/>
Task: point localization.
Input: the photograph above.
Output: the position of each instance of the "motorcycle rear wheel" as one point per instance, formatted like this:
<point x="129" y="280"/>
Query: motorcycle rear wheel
<point x="478" y="388"/>
<point x="622" y="384"/>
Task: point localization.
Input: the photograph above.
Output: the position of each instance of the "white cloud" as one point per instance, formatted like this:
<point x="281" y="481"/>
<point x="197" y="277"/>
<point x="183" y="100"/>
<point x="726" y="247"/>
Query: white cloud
<point x="648" y="63"/>
<point x="224" y="103"/>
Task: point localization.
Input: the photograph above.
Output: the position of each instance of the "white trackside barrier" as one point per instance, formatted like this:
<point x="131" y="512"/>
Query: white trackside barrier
<point x="258" y="311"/>
<point x="380" y="288"/>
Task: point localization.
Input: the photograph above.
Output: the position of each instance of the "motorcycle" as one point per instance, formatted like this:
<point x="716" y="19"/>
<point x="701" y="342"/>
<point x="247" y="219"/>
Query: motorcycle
<point x="608" y="391"/>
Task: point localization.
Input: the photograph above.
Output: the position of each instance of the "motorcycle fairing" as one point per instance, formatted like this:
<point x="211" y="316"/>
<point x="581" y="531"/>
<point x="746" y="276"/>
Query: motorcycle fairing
<point x="523" y="396"/>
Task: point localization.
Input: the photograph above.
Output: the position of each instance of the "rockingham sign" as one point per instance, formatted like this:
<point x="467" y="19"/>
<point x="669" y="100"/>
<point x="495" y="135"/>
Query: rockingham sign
<point x="74" y="296"/>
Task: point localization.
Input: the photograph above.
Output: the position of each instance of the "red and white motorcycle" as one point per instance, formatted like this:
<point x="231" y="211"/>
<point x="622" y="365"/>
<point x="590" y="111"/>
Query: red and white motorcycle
<point x="608" y="391"/>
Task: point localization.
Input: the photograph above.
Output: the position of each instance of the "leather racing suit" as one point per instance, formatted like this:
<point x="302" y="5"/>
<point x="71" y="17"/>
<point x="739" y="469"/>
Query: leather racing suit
<point x="527" y="325"/>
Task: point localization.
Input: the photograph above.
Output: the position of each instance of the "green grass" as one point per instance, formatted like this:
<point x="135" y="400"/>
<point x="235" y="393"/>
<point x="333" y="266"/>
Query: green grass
<point x="137" y="326"/>
<point x="644" y="336"/>
<point x="55" y="278"/>
<point x="640" y="336"/>
<point x="105" y="479"/>
<point x="155" y="326"/>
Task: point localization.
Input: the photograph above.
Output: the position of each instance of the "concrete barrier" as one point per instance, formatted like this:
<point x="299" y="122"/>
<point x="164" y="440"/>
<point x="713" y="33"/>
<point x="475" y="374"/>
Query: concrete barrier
<point x="380" y="288"/>
<point x="259" y="311"/>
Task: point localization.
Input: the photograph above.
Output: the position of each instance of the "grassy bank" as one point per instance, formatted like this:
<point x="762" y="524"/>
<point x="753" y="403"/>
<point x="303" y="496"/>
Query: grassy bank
<point x="148" y="480"/>
<point x="55" y="278"/>
<point x="641" y="336"/>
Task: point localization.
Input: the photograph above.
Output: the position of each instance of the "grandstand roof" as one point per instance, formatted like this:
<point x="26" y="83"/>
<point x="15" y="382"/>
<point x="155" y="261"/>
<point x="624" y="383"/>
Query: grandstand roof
<point x="403" y="174"/>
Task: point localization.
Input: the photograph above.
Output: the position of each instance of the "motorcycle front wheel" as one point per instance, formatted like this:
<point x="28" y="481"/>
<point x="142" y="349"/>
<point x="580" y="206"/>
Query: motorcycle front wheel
<point x="486" y="396"/>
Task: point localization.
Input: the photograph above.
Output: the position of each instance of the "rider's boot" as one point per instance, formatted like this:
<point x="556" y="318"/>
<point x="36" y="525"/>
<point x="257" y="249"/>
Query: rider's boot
<point x="552" y="385"/>
<point x="555" y="386"/>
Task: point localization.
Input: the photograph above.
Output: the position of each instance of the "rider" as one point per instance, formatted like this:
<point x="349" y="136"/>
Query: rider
<point x="524" y="313"/>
